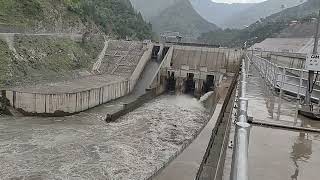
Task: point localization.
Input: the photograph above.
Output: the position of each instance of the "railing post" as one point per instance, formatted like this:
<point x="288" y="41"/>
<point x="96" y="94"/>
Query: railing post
<point x="266" y="70"/>
<point x="298" y="97"/>
<point x="275" y="76"/>
<point x="281" y="91"/>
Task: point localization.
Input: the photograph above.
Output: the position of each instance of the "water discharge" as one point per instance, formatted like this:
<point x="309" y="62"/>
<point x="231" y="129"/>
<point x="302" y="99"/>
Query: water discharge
<point x="83" y="146"/>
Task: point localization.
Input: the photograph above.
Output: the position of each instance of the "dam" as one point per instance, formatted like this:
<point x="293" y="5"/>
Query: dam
<point x="139" y="107"/>
<point x="146" y="110"/>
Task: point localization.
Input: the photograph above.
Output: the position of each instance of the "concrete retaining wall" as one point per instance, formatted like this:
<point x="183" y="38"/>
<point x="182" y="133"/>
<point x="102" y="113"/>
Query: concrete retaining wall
<point x="65" y="103"/>
<point x="140" y="67"/>
<point x="156" y="80"/>
<point x="61" y="104"/>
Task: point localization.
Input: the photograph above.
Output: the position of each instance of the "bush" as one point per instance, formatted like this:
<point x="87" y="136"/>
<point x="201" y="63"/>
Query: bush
<point x="31" y="8"/>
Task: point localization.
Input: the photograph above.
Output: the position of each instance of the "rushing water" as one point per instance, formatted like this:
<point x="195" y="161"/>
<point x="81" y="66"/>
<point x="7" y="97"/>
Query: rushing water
<point x="83" y="146"/>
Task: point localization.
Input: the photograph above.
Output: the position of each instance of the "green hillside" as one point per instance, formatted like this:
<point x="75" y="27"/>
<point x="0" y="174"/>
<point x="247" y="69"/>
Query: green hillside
<point x="38" y="55"/>
<point x="152" y="8"/>
<point x="114" y="17"/>
<point x="182" y="18"/>
<point x="173" y="15"/>
<point x="311" y="7"/>
<point x="258" y="11"/>
<point x="271" y="26"/>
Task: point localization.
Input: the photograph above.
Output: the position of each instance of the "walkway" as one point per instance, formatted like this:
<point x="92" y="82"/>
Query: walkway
<point x="275" y="153"/>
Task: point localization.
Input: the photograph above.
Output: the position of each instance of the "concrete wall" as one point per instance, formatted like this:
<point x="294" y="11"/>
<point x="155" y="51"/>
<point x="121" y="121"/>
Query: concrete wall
<point x="201" y="61"/>
<point x="140" y="67"/>
<point x="158" y="81"/>
<point x="61" y="104"/>
<point x="206" y="59"/>
<point x="66" y="103"/>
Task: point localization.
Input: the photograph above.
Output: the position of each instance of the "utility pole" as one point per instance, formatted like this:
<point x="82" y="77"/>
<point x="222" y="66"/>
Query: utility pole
<point x="311" y="73"/>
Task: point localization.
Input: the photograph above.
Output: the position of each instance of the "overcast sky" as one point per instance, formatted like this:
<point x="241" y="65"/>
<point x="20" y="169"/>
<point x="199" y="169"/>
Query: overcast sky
<point x="237" y="1"/>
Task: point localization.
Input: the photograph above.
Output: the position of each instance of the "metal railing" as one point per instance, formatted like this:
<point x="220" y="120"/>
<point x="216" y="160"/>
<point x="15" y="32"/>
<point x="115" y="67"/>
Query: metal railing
<point x="239" y="169"/>
<point x="285" y="80"/>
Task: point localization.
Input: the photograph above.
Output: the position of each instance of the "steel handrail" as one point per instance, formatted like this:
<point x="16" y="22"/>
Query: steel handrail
<point x="241" y="141"/>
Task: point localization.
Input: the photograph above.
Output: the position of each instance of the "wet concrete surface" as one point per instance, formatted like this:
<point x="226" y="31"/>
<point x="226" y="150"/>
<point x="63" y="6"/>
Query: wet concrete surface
<point x="84" y="146"/>
<point x="146" y="77"/>
<point x="280" y="154"/>
<point x="264" y="102"/>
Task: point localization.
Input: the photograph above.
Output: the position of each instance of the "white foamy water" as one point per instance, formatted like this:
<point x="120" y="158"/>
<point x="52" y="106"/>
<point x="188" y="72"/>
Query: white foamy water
<point x="85" y="147"/>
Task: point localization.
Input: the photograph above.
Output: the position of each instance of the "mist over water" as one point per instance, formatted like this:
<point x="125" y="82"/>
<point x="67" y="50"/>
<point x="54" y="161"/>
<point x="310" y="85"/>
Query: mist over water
<point x="184" y="101"/>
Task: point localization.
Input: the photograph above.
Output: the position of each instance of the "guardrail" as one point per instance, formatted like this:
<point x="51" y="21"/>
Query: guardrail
<point x="282" y="53"/>
<point x="285" y="80"/>
<point x="239" y="169"/>
<point x="288" y="54"/>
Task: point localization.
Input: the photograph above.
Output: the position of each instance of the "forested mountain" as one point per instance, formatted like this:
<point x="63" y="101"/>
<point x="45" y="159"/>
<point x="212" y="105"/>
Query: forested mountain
<point x="114" y="17"/>
<point x="258" y="11"/>
<point x="276" y="25"/>
<point x="239" y="15"/>
<point x="152" y="8"/>
<point x="217" y="13"/>
<point x="310" y="7"/>
<point x="173" y="15"/>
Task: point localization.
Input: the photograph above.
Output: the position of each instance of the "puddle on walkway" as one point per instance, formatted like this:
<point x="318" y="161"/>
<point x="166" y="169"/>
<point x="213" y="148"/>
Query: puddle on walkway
<point x="279" y="154"/>
<point x="264" y="102"/>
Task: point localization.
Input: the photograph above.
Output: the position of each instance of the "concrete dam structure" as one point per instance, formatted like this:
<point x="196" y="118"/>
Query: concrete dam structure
<point x="194" y="70"/>
<point x="114" y="131"/>
<point x="118" y="69"/>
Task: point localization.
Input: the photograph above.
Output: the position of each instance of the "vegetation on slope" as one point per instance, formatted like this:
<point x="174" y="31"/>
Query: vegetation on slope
<point x="114" y="17"/>
<point x="152" y="8"/>
<point x="260" y="10"/>
<point x="174" y="15"/>
<point x="46" y="59"/>
<point x="5" y="59"/>
<point x="218" y="13"/>
<point x="49" y="58"/>
<point x="309" y="8"/>
<point x="265" y="28"/>
<point x="182" y="18"/>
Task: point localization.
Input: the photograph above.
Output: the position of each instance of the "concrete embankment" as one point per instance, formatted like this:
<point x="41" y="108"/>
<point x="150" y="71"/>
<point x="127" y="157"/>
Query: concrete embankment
<point x="76" y="97"/>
